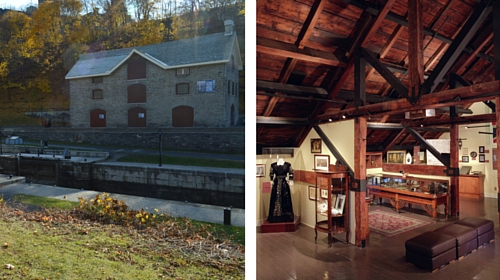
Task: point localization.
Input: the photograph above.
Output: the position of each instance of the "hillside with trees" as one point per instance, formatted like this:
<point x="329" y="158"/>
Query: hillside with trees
<point x="40" y="45"/>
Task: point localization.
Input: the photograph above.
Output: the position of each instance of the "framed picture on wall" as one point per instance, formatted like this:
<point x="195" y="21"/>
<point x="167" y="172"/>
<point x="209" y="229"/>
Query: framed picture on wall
<point x="312" y="193"/>
<point x="324" y="193"/>
<point x="396" y="156"/>
<point x="261" y="170"/>
<point x="482" y="158"/>
<point x="316" y="145"/>
<point x="465" y="158"/>
<point x="481" y="149"/>
<point x="321" y="162"/>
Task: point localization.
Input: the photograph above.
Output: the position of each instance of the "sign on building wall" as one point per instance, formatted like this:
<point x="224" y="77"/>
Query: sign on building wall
<point x="206" y="86"/>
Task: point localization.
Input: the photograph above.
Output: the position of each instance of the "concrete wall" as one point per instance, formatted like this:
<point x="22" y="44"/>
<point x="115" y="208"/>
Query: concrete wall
<point x="210" y="109"/>
<point x="195" y="185"/>
<point x="192" y="139"/>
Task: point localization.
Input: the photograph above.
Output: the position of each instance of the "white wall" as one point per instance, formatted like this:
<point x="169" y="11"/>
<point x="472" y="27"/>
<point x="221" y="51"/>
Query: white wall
<point x="341" y="134"/>
<point x="474" y="140"/>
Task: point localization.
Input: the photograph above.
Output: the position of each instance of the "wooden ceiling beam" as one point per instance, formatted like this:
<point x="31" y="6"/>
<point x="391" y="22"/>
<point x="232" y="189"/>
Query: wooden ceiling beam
<point x="480" y="13"/>
<point x="387" y="47"/>
<point x="451" y="97"/>
<point x="282" y="121"/>
<point x="496" y="39"/>
<point x="371" y="8"/>
<point x="310" y="23"/>
<point x="391" y="140"/>
<point x="278" y="48"/>
<point x="370" y="28"/>
<point x="483" y="118"/>
<point x="303" y="36"/>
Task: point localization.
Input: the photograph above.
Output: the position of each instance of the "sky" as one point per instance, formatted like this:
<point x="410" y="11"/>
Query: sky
<point x="17" y="4"/>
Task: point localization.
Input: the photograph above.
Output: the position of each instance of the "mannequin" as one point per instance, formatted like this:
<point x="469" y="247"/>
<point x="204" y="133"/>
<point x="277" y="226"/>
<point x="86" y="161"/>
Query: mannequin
<point x="280" y="208"/>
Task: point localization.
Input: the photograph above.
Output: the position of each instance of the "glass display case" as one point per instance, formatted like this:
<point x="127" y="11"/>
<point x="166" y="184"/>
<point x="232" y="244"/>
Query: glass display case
<point x="332" y="204"/>
<point x="402" y="190"/>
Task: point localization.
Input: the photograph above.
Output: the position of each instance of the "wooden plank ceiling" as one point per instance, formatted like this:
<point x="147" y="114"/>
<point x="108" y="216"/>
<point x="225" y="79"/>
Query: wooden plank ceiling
<point x="308" y="51"/>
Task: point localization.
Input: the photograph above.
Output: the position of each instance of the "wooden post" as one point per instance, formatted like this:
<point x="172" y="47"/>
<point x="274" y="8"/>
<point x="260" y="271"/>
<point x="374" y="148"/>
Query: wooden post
<point x="416" y="155"/>
<point x="455" y="207"/>
<point x="415" y="47"/>
<point x="360" y="207"/>
<point x="497" y="111"/>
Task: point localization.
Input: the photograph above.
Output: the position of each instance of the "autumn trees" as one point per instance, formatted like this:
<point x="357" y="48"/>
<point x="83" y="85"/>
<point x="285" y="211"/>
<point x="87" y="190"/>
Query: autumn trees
<point x="37" y="48"/>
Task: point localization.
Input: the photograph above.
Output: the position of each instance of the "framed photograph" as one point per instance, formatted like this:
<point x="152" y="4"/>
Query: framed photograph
<point x="494" y="157"/>
<point x="481" y="149"/>
<point x="261" y="170"/>
<point x="312" y="193"/>
<point x="465" y="151"/>
<point x="324" y="193"/>
<point x="465" y="158"/>
<point x="316" y="146"/>
<point x="321" y="162"/>
<point x="339" y="205"/>
<point x="482" y="158"/>
<point x="396" y="156"/>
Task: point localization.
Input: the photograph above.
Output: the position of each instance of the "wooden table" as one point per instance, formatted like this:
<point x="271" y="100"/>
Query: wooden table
<point x="399" y="198"/>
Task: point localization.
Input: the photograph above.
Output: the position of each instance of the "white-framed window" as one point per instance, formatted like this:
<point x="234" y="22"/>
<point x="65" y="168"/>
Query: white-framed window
<point x="182" y="71"/>
<point x="206" y="86"/>
<point x="101" y="116"/>
<point x="140" y="115"/>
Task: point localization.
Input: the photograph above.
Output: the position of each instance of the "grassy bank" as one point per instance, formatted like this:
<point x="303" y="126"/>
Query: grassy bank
<point x="58" y="243"/>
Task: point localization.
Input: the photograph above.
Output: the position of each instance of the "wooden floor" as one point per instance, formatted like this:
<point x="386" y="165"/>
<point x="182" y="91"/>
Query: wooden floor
<point x="297" y="256"/>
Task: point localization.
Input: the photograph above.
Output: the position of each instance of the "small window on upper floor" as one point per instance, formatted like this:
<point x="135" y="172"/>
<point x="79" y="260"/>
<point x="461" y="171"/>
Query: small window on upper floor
<point x="182" y="71"/>
<point x="97" y="94"/>
<point x="232" y="63"/>
<point x="136" y="68"/>
<point x="182" y="88"/>
<point x="96" y="80"/>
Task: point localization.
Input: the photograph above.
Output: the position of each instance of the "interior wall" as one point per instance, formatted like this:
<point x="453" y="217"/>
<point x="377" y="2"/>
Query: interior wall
<point x="474" y="140"/>
<point x="341" y="134"/>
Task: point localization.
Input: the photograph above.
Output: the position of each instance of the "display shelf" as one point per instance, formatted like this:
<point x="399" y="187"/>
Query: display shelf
<point x="373" y="159"/>
<point x="331" y="204"/>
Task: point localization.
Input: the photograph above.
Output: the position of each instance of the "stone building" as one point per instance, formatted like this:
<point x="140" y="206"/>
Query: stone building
<point x="184" y="83"/>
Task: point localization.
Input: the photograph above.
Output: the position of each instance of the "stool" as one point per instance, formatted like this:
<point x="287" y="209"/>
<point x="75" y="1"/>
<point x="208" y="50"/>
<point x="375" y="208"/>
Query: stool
<point x="484" y="227"/>
<point x="430" y="250"/>
<point x="466" y="238"/>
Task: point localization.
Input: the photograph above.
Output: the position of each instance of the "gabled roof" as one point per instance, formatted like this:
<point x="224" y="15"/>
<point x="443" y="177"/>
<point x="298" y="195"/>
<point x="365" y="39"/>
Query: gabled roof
<point x="209" y="49"/>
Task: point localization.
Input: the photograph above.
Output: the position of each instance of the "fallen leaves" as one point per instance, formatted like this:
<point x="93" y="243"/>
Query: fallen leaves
<point x="168" y="237"/>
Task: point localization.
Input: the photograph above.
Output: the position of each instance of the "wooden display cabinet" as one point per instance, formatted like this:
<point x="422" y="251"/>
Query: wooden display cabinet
<point x="332" y="204"/>
<point x="471" y="186"/>
<point x="373" y="159"/>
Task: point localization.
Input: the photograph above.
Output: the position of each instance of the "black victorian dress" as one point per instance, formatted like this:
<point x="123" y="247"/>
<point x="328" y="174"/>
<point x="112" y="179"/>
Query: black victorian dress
<point x="280" y="208"/>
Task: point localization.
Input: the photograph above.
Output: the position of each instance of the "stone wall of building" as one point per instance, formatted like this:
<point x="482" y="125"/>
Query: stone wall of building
<point x="210" y="109"/>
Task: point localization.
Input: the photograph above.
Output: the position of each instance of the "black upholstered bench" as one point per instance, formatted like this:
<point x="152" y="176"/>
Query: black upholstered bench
<point x="485" y="229"/>
<point x="431" y="250"/>
<point x="466" y="238"/>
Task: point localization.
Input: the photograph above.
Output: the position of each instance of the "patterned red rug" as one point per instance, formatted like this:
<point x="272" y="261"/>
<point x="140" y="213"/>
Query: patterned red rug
<point x="390" y="224"/>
